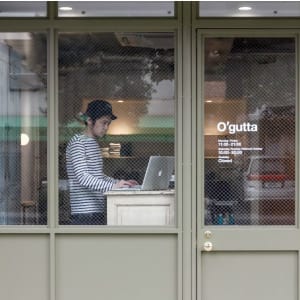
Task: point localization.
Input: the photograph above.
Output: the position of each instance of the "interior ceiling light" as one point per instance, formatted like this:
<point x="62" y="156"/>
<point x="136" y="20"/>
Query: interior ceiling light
<point x="24" y="139"/>
<point x="66" y="8"/>
<point x="245" y="8"/>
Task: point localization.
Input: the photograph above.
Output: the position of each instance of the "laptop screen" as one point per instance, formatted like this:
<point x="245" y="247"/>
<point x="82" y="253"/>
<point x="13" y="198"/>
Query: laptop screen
<point x="158" y="173"/>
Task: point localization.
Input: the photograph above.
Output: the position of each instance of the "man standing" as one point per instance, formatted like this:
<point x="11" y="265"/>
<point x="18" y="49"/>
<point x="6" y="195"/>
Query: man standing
<point x="85" y="167"/>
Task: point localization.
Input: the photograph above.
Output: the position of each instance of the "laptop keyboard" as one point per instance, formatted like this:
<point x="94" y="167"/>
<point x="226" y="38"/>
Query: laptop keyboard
<point x="127" y="188"/>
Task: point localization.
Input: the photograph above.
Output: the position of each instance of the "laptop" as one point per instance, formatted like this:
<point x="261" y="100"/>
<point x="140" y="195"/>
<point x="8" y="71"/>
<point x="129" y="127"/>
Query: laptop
<point x="157" y="176"/>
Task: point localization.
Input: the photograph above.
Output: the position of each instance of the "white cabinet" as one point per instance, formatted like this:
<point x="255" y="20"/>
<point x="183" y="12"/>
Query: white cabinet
<point x="141" y="208"/>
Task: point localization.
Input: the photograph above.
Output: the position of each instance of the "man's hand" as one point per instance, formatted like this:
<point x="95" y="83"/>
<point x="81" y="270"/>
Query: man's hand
<point x="125" y="184"/>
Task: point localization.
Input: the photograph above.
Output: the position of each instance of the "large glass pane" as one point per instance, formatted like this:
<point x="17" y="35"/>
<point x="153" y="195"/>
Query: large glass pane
<point x="249" y="105"/>
<point x="28" y="9"/>
<point x="115" y="9"/>
<point x="23" y="128"/>
<point x="134" y="74"/>
<point x="249" y="9"/>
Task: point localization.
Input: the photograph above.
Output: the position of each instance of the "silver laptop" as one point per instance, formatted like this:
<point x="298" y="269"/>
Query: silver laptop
<point x="158" y="174"/>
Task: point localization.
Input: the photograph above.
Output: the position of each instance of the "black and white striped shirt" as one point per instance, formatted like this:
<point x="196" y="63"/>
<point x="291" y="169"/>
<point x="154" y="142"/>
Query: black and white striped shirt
<point x="86" y="178"/>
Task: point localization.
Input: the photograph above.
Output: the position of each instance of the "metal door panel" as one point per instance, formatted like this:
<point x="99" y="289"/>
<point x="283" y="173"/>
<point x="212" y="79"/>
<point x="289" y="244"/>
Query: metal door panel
<point x="249" y="275"/>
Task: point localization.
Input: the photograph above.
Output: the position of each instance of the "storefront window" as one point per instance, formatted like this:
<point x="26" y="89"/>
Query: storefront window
<point x="134" y="74"/>
<point x="23" y="9"/>
<point x="79" y="9"/>
<point x="23" y="128"/>
<point x="250" y="131"/>
<point x="249" y="9"/>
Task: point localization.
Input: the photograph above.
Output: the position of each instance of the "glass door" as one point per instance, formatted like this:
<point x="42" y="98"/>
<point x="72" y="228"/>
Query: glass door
<point x="247" y="117"/>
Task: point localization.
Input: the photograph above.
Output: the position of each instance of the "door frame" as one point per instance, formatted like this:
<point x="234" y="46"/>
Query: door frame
<point x="254" y="238"/>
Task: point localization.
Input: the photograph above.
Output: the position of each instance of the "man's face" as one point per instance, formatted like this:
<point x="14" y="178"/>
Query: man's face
<point x="100" y="127"/>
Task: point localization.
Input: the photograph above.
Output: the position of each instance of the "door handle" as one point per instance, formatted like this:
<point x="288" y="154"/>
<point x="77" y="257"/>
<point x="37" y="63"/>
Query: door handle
<point x="207" y="246"/>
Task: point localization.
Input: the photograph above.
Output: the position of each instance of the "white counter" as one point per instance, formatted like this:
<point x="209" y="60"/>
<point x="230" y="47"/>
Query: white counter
<point x="141" y="207"/>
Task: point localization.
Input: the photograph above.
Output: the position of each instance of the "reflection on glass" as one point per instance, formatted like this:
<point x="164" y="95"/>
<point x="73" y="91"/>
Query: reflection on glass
<point x="134" y="72"/>
<point x="23" y="128"/>
<point x="23" y="9"/>
<point x="115" y="9"/>
<point x="249" y="9"/>
<point x="250" y="131"/>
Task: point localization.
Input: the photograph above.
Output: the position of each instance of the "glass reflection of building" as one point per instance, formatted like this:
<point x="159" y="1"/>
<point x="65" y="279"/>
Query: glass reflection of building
<point x="249" y="114"/>
<point x="23" y="124"/>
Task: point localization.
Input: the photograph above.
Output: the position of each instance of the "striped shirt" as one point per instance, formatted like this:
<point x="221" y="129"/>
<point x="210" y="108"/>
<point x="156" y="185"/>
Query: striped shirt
<point x="86" y="178"/>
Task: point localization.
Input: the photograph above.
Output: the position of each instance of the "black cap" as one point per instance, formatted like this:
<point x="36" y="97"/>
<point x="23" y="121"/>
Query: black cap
<point x="99" y="108"/>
